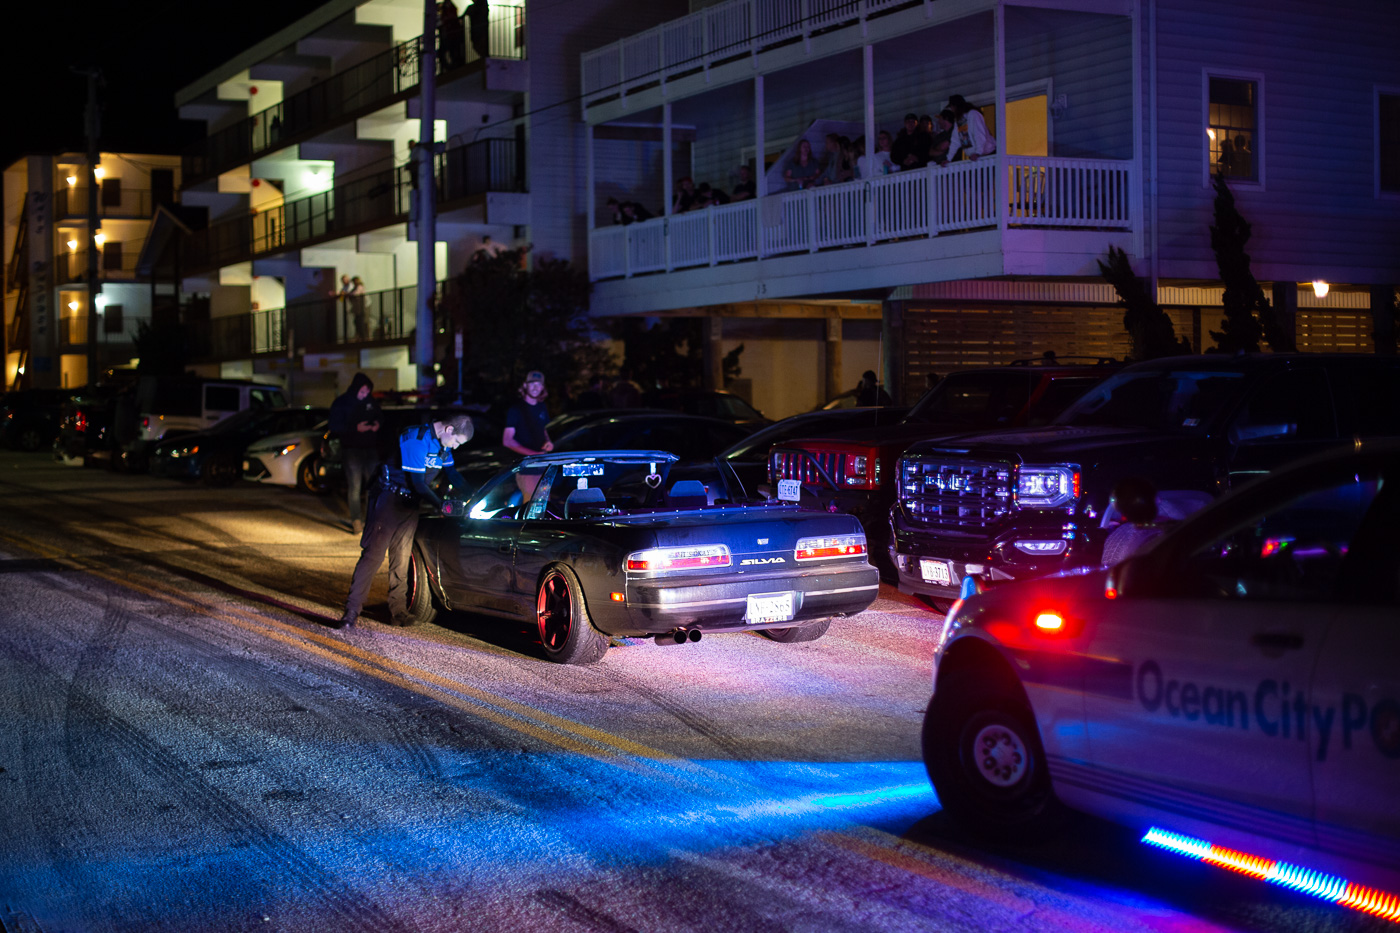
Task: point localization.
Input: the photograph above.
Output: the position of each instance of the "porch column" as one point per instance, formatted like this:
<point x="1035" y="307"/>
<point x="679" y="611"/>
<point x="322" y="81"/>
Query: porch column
<point x="1285" y="302"/>
<point x="592" y="202"/>
<point x="869" y="75"/>
<point x="1000" y="182"/>
<point x="833" y="356"/>
<point x="760" y="175"/>
<point x="714" y="352"/>
<point x="666" y="168"/>
<point x="1383" y="318"/>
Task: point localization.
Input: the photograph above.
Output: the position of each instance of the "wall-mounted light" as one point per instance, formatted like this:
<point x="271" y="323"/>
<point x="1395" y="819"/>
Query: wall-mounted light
<point x="99" y="238"/>
<point x="73" y="245"/>
<point x="99" y="172"/>
<point x="316" y="179"/>
<point x="1320" y="288"/>
<point x="101" y="303"/>
<point x="73" y="305"/>
<point x="72" y="180"/>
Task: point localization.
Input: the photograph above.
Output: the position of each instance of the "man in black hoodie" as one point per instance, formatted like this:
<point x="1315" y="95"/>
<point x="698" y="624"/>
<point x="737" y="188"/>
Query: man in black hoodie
<point x="354" y="422"/>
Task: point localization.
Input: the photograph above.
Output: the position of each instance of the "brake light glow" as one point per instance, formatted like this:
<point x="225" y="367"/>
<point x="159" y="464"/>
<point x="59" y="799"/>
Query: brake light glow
<point x="1050" y="622"/>
<point x="679" y="558"/>
<point x="1318" y="884"/>
<point x="828" y="548"/>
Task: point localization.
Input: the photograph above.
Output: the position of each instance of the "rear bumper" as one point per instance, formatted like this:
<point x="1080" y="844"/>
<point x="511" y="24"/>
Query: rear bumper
<point x="923" y="558"/>
<point x="658" y="606"/>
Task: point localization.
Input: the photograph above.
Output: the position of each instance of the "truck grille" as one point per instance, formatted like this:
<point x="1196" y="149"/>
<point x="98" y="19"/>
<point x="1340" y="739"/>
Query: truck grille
<point x="802" y="465"/>
<point x="961" y="494"/>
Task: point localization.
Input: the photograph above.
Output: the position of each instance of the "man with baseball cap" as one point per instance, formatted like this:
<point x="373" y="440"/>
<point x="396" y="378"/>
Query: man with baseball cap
<point x="525" y="428"/>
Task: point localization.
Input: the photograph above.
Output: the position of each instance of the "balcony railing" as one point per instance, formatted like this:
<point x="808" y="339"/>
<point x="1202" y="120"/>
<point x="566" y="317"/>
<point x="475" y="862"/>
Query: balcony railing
<point x="314" y="324"/>
<point x="1043" y="192"/>
<point x="377" y="199"/>
<point x="357" y="90"/>
<point x="126" y="202"/>
<point x="71" y="266"/>
<point x="713" y="35"/>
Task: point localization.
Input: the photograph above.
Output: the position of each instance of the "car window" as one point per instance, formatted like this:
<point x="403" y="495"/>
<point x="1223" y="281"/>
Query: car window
<point x="267" y="398"/>
<point x="1286" y="406"/>
<point x="974" y="399"/>
<point x="498" y="499"/>
<point x="1293" y="551"/>
<point x="221" y="398"/>
<point x="1189" y="400"/>
<point x="1057" y="397"/>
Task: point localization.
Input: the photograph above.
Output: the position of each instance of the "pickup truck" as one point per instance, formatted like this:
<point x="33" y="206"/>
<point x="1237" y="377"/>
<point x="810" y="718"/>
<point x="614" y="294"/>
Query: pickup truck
<point x="1003" y="505"/>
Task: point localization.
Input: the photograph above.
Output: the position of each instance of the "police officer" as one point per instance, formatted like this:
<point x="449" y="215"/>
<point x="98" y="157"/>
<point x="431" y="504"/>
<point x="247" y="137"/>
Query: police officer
<point x="425" y="450"/>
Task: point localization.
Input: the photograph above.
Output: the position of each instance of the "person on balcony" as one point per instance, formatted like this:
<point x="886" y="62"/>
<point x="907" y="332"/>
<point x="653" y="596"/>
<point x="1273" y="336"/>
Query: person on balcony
<point x="911" y="145"/>
<point x="634" y="213"/>
<point x="454" y="36"/>
<point x="684" y="197"/>
<point x="802" y="171"/>
<point x="832" y="161"/>
<point x="943" y="123"/>
<point x="872" y="166"/>
<point x="479" y="24"/>
<point x="744" y="188"/>
<point x="357" y="308"/>
<point x="970" y="137"/>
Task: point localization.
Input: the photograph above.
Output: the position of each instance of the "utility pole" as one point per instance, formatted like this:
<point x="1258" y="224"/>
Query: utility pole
<point x="427" y="200"/>
<point x="92" y="125"/>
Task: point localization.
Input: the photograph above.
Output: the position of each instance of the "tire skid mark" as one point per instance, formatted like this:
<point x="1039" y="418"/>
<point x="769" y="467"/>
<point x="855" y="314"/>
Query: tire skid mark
<point x="579" y="912"/>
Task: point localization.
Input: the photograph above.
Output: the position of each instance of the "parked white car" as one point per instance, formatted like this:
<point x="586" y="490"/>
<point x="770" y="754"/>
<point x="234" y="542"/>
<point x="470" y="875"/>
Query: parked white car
<point x="1233" y="692"/>
<point x="289" y="459"/>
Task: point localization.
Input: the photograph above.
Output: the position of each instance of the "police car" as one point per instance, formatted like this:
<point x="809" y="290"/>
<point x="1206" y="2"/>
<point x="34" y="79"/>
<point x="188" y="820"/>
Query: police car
<point x="1234" y="692"/>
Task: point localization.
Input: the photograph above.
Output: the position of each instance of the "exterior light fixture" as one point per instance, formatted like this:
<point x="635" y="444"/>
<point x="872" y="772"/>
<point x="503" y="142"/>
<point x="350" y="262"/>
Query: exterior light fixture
<point x="99" y="238"/>
<point x="72" y="180"/>
<point x="101" y="303"/>
<point x="98" y="172"/>
<point x="73" y="305"/>
<point x="1320" y="288"/>
<point x="73" y="245"/>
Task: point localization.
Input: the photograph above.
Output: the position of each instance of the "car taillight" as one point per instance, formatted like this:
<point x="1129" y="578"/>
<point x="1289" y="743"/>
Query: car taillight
<point x="829" y="547"/>
<point x="80" y="424"/>
<point x="679" y="558"/>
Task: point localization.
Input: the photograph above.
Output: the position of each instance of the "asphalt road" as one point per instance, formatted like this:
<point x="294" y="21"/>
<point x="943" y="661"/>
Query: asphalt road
<point x="186" y="746"/>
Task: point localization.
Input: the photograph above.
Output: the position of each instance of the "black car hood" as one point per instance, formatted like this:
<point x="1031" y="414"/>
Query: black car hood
<point x="1055" y="443"/>
<point x="894" y="435"/>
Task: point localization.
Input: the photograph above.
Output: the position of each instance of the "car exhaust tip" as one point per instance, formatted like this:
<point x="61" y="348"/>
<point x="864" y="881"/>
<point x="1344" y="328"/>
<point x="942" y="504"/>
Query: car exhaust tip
<point x="695" y="634"/>
<point x="672" y="638"/>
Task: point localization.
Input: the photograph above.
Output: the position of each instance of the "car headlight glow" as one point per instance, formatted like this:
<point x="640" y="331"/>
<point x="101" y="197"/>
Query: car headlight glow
<point x="283" y="451"/>
<point x="1046" y="487"/>
<point x="1056" y="546"/>
<point x="831" y="546"/>
<point x="679" y="558"/>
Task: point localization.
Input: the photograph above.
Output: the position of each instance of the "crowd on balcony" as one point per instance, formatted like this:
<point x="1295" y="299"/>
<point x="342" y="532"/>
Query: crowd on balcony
<point x="957" y="132"/>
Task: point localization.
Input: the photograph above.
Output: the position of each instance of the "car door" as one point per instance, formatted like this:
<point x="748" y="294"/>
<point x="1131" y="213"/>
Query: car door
<point x="1221" y="648"/>
<point x="1286" y="416"/>
<point x="481" y="575"/>
<point x="1355" y="743"/>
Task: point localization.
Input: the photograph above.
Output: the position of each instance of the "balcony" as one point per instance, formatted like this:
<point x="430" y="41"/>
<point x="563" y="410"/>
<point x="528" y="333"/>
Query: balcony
<point x="374" y="200"/>
<point x="355" y="92"/>
<point x="111" y="202"/>
<point x="1045" y="193"/>
<point x="116" y="261"/>
<point x="316" y="325"/>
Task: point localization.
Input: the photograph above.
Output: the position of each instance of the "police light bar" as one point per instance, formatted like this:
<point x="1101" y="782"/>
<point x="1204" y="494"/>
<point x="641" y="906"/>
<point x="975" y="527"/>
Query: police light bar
<point x="1318" y="884"/>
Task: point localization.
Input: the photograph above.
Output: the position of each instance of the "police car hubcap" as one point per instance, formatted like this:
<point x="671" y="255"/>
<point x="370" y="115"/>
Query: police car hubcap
<point x="999" y="755"/>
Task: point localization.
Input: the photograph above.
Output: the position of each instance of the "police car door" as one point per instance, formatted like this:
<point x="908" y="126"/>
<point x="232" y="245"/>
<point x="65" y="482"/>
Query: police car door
<point x="1355" y="742"/>
<point x="1222" y="636"/>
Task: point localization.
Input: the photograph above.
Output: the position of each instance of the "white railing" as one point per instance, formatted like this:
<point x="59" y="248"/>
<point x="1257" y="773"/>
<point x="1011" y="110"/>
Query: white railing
<point x="1041" y="192"/>
<point x="716" y="33"/>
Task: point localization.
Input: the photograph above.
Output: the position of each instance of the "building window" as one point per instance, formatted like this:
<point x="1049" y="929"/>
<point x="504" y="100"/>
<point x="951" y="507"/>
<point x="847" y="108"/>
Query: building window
<point x="112" y="319"/>
<point x="1388" y="138"/>
<point x="112" y="255"/>
<point x="1232" y="127"/>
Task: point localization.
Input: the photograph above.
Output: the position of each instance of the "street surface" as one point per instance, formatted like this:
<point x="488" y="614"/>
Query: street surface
<point x="186" y="746"/>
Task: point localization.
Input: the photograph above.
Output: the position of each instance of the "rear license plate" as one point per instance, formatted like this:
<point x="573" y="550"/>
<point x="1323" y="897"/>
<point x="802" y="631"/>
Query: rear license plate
<point x="936" y="571"/>
<point x="769" y="607"/>
<point x="790" y="490"/>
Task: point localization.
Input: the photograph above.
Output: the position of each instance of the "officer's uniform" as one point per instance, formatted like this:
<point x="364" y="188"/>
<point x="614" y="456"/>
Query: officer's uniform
<point x="393" y="519"/>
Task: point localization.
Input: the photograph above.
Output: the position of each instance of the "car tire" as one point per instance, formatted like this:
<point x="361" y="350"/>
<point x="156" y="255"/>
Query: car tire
<point x="419" y="599"/>
<point x="220" y="471"/>
<point x="566" y="632"/>
<point x="986" y="761"/>
<point x="796" y="633"/>
<point x="308" y="480"/>
<point x="30" y="439"/>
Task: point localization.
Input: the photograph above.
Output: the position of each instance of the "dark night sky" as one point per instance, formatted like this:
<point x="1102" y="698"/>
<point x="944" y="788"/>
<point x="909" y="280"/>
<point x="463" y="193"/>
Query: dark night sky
<point x="147" y="49"/>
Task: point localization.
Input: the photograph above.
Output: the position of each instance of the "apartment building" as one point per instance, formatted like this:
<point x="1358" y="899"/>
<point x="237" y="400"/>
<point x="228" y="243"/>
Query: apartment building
<point x="305" y="175"/>
<point x="47" y="239"/>
<point x="1112" y="117"/>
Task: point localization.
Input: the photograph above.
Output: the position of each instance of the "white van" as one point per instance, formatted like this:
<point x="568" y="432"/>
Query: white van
<point x="167" y="406"/>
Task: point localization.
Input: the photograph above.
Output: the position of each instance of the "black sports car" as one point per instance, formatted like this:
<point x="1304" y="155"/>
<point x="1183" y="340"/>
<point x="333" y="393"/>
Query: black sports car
<point x="606" y="549"/>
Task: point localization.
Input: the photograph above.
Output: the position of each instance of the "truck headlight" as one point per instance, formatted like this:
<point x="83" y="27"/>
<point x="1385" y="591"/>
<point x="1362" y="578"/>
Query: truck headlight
<point x="1044" y="487"/>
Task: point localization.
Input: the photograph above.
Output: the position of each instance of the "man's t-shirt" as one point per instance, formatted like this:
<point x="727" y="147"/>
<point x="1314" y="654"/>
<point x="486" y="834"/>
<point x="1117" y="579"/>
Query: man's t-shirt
<point x="528" y="421"/>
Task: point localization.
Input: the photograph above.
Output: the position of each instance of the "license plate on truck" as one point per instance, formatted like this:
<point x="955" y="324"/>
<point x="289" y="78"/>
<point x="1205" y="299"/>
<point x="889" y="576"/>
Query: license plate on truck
<point x="936" y="571"/>
<point x="770" y="607"/>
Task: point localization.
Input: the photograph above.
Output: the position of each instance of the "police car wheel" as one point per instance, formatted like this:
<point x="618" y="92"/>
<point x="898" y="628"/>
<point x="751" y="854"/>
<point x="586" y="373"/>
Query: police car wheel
<point x="566" y="632"/>
<point x="798" y="633"/>
<point x="419" y="598"/>
<point x="985" y="759"/>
